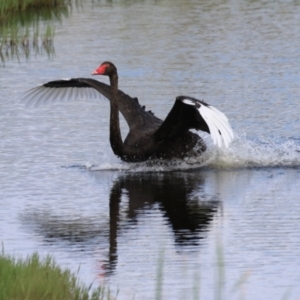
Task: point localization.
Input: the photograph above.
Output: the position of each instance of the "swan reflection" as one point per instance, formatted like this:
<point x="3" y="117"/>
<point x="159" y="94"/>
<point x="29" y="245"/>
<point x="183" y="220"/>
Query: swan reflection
<point x="179" y="198"/>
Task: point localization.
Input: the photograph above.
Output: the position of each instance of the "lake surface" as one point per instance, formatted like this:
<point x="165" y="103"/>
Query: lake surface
<point x="227" y="230"/>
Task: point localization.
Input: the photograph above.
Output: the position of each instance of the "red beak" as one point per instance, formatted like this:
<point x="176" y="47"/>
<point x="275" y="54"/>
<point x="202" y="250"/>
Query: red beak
<point x="100" y="70"/>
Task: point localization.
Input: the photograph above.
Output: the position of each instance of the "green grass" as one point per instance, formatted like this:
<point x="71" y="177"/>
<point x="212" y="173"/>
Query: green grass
<point x="41" y="279"/>
<point x="34" y="278"/>
<point x="31" y="12"/>
<point x="8" y="6"/>
<point x="27" y="26"/>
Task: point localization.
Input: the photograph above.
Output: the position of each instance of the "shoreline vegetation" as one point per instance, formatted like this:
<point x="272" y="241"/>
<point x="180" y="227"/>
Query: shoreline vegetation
<point x="42" y="279"/>
<point x="28" y="26"/>
<point x="36" y="278"/>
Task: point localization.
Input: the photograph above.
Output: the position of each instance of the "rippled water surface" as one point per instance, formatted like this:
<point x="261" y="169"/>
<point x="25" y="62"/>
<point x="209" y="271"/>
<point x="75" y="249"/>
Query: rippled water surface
<point x="229" y="228"/>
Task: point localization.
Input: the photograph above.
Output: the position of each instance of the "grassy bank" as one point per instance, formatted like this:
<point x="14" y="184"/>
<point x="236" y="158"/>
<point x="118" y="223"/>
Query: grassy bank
<point x="27" y="26"/>
<point x="41" y="279"/>
<point x="8" y="7"/>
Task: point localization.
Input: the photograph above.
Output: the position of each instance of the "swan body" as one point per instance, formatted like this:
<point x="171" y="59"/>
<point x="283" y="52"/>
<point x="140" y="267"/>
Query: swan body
<point x="148" y="137"/>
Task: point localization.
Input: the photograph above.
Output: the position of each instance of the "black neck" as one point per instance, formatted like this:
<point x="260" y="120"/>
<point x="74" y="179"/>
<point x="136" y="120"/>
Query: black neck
<point x="115" y="133"/>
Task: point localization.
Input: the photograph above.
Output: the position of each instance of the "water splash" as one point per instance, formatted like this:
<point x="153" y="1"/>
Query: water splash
<point x="242" y="153"/>
<point x="260" y="153"/>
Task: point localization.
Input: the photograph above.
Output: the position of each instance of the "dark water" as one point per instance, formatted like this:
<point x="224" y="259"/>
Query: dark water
<point x="63" y="192"/>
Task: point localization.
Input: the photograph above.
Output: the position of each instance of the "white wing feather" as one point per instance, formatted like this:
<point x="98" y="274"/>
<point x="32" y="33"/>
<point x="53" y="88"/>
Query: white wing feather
<point x="221" y="122"/>
<point x="218" y="124"/>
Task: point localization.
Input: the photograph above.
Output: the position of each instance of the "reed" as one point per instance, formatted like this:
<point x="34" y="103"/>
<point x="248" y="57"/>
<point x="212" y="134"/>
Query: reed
<point x="8" y="6"/>
<point x="41" y="279"/>
<point x="238" y="290"/>
<point x="26" y="26"/>
<point x="34" y="278"/>
<point x="159" y="276"/>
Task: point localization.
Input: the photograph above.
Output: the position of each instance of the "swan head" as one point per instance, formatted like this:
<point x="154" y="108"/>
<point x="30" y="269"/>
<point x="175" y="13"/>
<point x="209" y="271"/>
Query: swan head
<point x="106" y="68"/>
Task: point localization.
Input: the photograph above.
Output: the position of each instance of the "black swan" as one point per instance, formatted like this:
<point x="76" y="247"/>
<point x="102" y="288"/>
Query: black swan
<point x="148" y="137"/>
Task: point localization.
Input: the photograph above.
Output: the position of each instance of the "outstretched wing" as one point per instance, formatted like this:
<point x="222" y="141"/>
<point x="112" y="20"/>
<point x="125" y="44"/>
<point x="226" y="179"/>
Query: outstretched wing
<point x="60" y="90"/>
<point x="87" y="88"/>
<point x="190" y="113"/>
